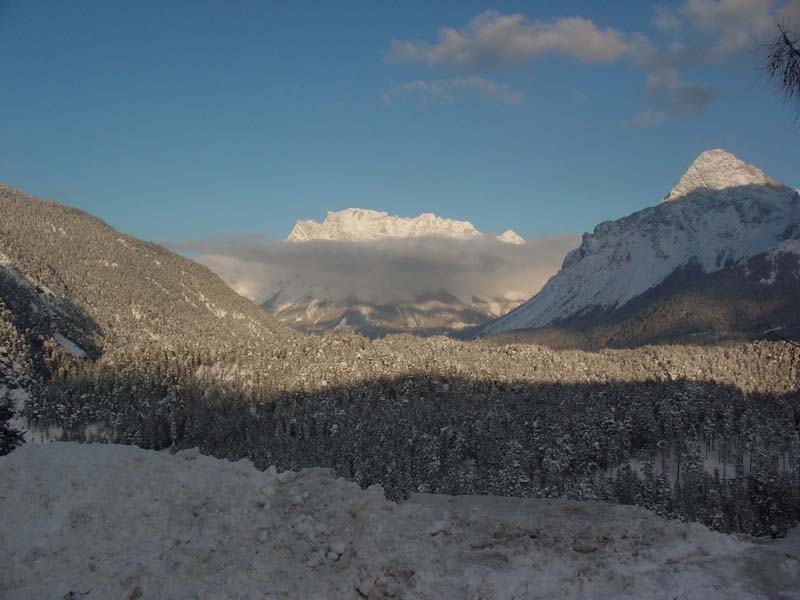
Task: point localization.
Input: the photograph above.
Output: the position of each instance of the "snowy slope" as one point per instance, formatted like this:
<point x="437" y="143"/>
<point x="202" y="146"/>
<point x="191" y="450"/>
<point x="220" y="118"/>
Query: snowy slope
<point x="721" y="211"/>
<point x="103" y="521"/>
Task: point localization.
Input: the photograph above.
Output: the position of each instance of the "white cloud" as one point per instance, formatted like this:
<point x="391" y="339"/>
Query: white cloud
<point x="447" y="90"/>
<point x="698" y="32"/>
<point x="495" y="40"/>
<point x="384" y="271"/>
<point x="737" y="25"/>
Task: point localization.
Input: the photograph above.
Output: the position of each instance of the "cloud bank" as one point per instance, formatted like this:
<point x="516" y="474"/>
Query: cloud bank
<point x="384" y="271"/>
<point x="495" y="40"/>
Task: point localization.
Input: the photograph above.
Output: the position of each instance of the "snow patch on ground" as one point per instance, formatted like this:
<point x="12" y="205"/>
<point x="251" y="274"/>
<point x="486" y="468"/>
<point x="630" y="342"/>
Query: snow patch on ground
<point x="106" y="521"/>
<point x="68" y="345"/>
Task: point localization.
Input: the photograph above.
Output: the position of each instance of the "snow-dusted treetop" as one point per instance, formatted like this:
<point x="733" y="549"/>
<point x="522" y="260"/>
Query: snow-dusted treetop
<point x="360" y="224"/>
<point x="717" y="170"/>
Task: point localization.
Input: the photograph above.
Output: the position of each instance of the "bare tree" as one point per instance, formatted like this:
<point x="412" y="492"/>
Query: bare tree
<point x="782" y="62"/>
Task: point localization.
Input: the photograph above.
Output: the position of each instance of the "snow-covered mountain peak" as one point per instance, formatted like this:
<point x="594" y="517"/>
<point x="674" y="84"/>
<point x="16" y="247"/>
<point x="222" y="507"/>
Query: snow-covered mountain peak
<point x="717" y="170"/>
<point x="509" y="236"/>
<point x="729" y="211"/>
<point x="359" y="224"/>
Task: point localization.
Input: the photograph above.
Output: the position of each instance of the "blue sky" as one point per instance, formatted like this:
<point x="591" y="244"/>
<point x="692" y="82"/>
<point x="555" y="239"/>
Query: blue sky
<point x="178" y="120"/>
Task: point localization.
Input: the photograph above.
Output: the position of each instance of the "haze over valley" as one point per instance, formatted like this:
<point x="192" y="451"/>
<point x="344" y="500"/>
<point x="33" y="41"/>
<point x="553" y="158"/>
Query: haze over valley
<point x="367" y="272"/>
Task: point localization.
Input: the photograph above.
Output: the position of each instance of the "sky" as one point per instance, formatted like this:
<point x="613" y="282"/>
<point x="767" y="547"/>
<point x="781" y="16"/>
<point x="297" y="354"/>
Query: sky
<point x="178" y="120"/>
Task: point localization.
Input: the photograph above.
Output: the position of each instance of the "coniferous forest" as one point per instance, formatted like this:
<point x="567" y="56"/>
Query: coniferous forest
<point x="706" y="451"/>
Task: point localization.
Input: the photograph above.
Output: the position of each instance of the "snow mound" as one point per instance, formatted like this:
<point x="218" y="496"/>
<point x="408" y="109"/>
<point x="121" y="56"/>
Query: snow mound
<point x="105" y="521"/>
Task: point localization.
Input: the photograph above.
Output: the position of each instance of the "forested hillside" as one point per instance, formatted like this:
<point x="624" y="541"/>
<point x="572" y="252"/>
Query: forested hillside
<point x="113" y="289"/>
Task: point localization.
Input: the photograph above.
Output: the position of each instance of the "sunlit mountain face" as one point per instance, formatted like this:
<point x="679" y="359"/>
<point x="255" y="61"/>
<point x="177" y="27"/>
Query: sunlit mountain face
<point x="717" y="257"/>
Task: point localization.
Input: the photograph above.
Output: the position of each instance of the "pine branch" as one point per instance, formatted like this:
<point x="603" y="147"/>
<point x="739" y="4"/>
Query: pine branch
<point x="782" y="61"/>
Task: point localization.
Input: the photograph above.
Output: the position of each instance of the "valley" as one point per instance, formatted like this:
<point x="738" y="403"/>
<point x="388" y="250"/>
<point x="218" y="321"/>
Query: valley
<point x="156" y="351"/>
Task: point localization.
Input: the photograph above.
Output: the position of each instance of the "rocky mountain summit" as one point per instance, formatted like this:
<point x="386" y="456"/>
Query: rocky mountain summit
<point x="359" y="224"/>
<point x="722" y="215"/>
<point x="716" y="170"/>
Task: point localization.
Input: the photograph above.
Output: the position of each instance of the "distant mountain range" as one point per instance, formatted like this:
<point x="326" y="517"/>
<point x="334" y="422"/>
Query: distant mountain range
<point x="305" y="306"/>
<point x="718" y="258"/>
<point x="359" y="225"/>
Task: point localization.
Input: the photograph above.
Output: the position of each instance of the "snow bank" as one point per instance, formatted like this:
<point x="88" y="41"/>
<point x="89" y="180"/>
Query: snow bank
<point x="105" y="521"/>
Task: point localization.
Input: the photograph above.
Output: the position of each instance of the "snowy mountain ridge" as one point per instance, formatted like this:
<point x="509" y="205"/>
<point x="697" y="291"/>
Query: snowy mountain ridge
<point x="722" y="211"/>
<point x="359" y="224"/>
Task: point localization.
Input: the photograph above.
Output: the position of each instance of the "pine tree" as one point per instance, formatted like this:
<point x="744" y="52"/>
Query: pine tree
<point x="10" y="438"/>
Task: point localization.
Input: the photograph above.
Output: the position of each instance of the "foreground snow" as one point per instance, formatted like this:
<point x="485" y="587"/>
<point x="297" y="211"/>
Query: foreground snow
<point x="104" y="521"/>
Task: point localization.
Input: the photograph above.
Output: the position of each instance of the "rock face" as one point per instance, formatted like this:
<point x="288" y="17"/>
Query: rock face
<point x="721" y="213"/>
<point x="358" y="224"/>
